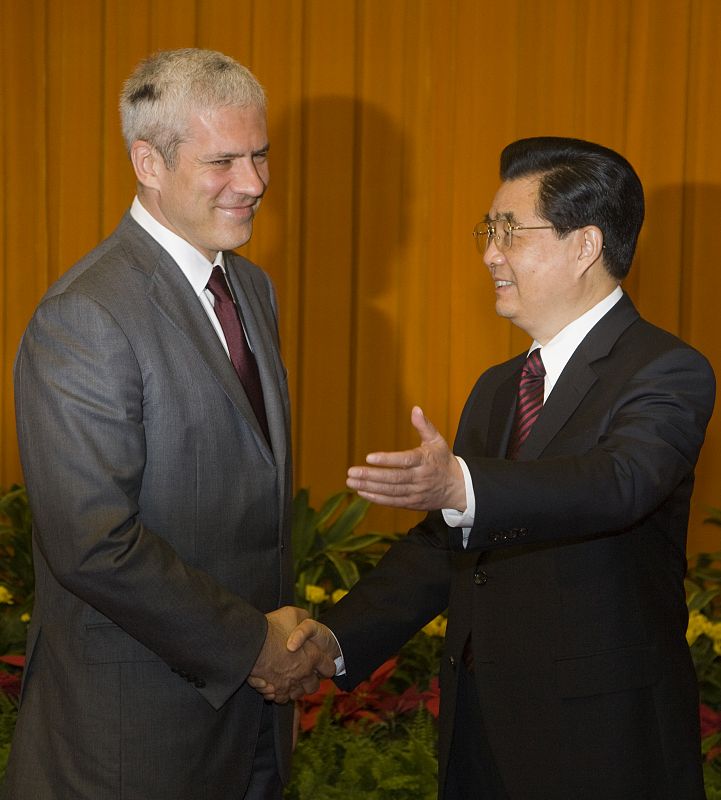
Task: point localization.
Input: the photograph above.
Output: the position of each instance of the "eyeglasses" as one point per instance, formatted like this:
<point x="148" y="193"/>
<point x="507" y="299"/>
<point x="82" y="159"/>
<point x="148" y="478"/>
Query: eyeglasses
<point x="501" y="231"/>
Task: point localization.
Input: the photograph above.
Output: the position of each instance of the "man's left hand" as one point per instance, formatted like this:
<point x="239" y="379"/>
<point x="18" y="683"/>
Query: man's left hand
<point x="426" y="478"/>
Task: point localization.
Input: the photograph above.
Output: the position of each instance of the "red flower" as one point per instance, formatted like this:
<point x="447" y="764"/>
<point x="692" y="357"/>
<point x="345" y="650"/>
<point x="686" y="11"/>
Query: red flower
<point x="15" y="661"/>
<point x="371" y="700"/>
<point x="710" y="720"/>
<point x="710" y="724"/>
<point x="9" y="684"/>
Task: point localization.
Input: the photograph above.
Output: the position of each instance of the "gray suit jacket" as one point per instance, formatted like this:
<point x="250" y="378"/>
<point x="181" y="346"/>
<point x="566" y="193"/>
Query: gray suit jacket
<point x="162" y="524"/>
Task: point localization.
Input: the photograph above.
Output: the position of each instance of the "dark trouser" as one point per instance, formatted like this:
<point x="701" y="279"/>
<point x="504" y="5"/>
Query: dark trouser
<point x="472" y="772"/>
<point x="265" y="783"/>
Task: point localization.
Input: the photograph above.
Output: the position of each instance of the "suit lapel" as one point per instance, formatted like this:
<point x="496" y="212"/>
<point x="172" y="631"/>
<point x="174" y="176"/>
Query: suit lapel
<point x="260" y="328"/>
<point x="175" y="299"/>
<point x="503" y="407"/>
<point x="577" y="377"/>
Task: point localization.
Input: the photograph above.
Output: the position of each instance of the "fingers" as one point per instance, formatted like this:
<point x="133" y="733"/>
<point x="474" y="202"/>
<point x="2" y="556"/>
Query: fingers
<point x="411" y="458"/>
<point x="257" y="683"/>
<point x="308" y="685"/>
<point x="318" y="640"/>
<point x="384" y="481"/>
<point x="381" y="474"/>
<point x="304" y="632"/>
<point x="404" y="459"/>
<point x="424" y="479"/>
<point x="287" y="617"/>
<point x="284" y="671"/>
<point x="392" y="501"/>
<point x="427" y="430"/>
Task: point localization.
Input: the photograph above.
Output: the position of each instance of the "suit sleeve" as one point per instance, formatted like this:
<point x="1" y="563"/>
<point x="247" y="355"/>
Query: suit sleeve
<point x="79" y="399"/>
<point x="645" y="446"/>
<point x="406" y="589"/>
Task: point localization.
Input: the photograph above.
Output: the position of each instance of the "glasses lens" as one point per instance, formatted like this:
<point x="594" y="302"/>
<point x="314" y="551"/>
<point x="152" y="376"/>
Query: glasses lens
<point x="505" y="239"/>
<point x="482" y="234"/>
<point x="500" y="230"/>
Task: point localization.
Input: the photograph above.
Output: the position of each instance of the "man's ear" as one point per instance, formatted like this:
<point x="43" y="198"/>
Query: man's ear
<point x="147" y="163"/>
<point x="591" y="247"/>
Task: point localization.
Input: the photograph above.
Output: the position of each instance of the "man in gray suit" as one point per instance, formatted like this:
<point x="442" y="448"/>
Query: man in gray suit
<point x="155" y="445"/>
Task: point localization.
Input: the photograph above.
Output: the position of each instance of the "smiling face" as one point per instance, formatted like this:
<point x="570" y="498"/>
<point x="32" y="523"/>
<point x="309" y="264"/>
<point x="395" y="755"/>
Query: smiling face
<point x="542" y="282"/>
<point x="212" y="194"/>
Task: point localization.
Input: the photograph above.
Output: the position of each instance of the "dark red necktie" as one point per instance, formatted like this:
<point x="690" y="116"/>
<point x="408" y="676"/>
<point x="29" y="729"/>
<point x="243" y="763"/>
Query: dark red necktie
<point x="240" y="353"/>
<point x="530" y="401"/>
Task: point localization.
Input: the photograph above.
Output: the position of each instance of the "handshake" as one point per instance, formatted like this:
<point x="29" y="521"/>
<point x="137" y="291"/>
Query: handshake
<point x="297" y="653"/>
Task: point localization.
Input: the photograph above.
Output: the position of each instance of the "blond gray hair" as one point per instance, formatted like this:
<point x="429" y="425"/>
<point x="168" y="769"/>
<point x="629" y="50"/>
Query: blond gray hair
<point x="165" y="89"/>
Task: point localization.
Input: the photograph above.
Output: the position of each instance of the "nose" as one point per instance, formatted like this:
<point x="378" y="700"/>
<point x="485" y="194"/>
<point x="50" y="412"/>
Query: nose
<point x="249" y="177"/>
<point x="493" y="257"/>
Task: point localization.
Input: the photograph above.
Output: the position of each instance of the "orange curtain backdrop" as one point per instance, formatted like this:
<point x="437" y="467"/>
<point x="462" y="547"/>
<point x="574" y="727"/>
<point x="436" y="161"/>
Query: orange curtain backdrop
<point x="386" y="121"/>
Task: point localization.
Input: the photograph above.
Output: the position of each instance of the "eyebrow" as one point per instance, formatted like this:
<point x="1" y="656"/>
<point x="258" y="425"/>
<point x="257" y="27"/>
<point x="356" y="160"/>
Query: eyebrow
<point x="219" y="156"/>
<point x="507" y="215"/>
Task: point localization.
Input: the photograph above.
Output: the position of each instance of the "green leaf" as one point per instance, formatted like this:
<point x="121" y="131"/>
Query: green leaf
<point x="347" y="522"/>
<point x="699" y="600"/>
<point x="329" y="508"/>
<point x="303" y="533"/>
<point x="346" y="569"/>
<point x="356" y="542"/>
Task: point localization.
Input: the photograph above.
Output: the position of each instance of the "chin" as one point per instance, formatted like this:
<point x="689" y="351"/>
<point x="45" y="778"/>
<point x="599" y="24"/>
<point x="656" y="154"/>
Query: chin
<point x="237" y="239"/>
<point x="504" y="311"/>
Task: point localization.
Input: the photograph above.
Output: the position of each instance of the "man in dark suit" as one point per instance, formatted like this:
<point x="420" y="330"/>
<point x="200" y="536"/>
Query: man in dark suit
<point x="153" y="422"/>
<point x="557" y="534"/>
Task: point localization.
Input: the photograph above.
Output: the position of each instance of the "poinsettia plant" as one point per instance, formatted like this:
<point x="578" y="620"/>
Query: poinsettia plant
<point x="375" y="700"/>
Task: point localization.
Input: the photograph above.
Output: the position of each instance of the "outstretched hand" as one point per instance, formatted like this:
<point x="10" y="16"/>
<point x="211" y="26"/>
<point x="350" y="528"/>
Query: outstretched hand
<point x="281" y="674"/>
<point x="426" y="478"/>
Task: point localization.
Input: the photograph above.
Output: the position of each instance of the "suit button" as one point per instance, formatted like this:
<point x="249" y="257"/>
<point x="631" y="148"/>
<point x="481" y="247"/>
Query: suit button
<point x="480" y="578"/>
<point x="495" y="536"/>
<point x="452" y="661"/>
<point x="199" y="683"/>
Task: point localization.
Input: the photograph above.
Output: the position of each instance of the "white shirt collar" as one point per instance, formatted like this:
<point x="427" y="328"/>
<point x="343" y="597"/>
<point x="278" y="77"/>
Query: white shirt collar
<point x="193" y="264"/>
<point x="557" y="353"/>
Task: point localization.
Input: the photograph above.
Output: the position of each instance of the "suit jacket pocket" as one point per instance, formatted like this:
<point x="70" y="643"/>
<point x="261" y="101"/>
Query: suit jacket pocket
<point x="106" y="643"/>
<point x="608" y="671"/>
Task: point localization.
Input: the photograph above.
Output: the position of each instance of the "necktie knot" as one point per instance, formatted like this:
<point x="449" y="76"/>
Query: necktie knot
<point x="533" y="368"/>
<point x="219" y="286"/>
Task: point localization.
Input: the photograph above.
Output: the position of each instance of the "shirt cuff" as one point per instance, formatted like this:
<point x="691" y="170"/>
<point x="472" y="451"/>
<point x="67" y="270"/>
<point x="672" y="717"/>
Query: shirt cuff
<point x="462" y="519"/>
<point x="340" y="661"/>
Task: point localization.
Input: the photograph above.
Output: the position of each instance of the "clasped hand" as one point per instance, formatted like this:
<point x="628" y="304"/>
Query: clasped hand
<point x="299" y="651"/>
<point x="281" y="673"/>
<point x="426" y="478"/>
<point x="309" y="642"/>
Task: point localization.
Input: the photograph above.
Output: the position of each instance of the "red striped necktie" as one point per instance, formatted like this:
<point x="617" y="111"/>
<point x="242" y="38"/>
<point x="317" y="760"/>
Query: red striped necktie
<point x="530" y="401"/>
<point x="240" y="353"/>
